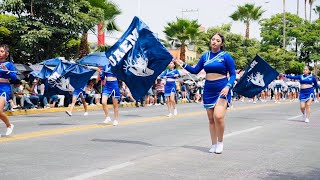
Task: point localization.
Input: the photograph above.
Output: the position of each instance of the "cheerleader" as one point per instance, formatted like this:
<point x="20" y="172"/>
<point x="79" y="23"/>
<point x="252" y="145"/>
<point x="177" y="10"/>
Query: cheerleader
<point x="7" y="72"/>
<point x="170" y="75"/>
<point x="308" y="83"/>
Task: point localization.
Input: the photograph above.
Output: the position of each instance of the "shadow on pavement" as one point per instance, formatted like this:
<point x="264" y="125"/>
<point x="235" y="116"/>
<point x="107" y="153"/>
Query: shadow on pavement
<point x="275" y="174"/>
<point x="56" y="124"/>
<point x="202" y="149"/>
<point x="122" y="141"/>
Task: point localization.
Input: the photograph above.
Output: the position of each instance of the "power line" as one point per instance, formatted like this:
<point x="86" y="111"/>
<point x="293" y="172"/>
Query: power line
<point x="188" y="11"/>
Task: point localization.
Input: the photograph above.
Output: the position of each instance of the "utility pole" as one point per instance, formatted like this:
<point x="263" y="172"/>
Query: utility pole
<point x="190" y="11"/>
<point x="298" y="7"/>
<point x="284" y="24"/>
<point x="139" y="8"/>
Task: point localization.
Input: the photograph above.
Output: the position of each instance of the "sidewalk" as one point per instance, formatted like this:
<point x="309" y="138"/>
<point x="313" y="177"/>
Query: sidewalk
<point x="76" y="108"/>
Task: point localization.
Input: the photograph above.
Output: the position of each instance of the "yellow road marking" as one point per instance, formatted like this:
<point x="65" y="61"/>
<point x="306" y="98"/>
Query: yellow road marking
<point x="127" y="122"/>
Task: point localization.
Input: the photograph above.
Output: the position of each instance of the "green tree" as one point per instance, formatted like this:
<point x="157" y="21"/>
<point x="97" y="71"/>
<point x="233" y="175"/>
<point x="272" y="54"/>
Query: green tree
<point x="278" y="57"/>
<point x="271" y="30"/>
<point x="246" y="14"/>
<point x="310" y="50"/>
<point x="44" y="29"/>
<point x="110" y="11"/>
<point x="182" y="32"/>
<point x="295" y="67"/>
<point x="241" y="49"/>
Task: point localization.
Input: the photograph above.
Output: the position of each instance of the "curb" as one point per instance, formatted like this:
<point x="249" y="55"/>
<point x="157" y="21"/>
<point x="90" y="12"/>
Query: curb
<point x="76" y="108"/>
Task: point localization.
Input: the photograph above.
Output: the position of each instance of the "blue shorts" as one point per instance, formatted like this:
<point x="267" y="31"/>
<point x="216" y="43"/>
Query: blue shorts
<point x="211" y="92"/>
<point x="77" y="93"/>
<point x="306" y="94"/>
<point x="169" y="88"/>
<point x="111" y="88"/>
<point x="5" y="90"/>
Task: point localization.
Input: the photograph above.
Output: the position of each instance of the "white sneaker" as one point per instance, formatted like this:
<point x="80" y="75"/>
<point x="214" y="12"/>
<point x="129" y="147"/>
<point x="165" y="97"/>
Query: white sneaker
<point x="69" y="113"/>
<point x="219" y="148"/>
<point x="213" y="148"/>
<point x="107" y="120"/>
<point x="175" y="112"/>
<point x="85" y="114"/>
<point x="115" y="123"/>
<point x="169" y="115"/>
<point x="306" y="120"/>
<point x="9" y="130"/>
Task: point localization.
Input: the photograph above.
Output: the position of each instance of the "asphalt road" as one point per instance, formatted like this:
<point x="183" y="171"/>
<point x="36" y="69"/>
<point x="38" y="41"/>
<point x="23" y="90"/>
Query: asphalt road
<point x="262" y="141"/>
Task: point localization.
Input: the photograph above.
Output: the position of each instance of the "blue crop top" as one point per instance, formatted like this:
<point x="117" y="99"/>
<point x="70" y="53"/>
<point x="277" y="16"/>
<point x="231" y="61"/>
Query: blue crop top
<point x="309" y="79"/>
<point x="10" y="73"/>
<point x="106" y="72"/>
<point x="220" y="62"/>
<point x="173" y="74"/>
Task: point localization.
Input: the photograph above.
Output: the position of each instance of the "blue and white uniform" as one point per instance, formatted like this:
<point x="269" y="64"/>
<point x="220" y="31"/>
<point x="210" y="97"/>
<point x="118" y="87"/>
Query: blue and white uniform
<point x="10" y="74"/>
<point x="278" y="85"/>
<point x="221" y="63"/>
<point x="306" y="94"/>
<point x="171" y="76"/>
<point x="111" y="88"/>
<point x="77" y="92"/>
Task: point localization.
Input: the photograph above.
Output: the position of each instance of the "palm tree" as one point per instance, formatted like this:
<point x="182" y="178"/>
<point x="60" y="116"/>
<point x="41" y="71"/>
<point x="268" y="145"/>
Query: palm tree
<point x="284" y="24"/>
<point x="298" y="7"/>
<point x="305" y="9"/>
<point x="110" y="11"/>
<point x="246" y="14"/>
<point x="310" y="4"/>
<point x="182" y="32"/>
<point x="317" y="10"/>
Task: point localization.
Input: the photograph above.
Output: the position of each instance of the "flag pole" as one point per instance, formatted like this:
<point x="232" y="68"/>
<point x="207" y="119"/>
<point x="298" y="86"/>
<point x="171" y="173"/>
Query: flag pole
<point x="188" y="74"/>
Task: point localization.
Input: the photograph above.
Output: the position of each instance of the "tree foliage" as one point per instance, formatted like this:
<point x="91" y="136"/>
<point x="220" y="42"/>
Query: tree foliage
<point x="182" y="32"/>
<point x="44" y="29"/>
<point x="246" y="14"/>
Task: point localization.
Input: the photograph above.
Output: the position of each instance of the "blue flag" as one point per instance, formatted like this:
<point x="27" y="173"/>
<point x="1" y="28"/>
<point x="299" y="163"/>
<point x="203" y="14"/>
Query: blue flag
<point x="258" y="75"/>
<point x="138" y="57"/>
<point x="43" y="74"/>
<point x="66" y="77"/>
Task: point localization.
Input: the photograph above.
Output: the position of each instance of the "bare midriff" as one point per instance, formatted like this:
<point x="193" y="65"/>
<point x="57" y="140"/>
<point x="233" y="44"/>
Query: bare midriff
<point x="111" y="78"/>
<point x="3" y="80"/>
<point x="305" y="86"/>
<point x="214" y="76"/>
<point x="170" y="79"/>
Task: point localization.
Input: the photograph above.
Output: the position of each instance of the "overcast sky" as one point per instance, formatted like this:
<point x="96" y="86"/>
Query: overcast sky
<point x="157" y="13"/>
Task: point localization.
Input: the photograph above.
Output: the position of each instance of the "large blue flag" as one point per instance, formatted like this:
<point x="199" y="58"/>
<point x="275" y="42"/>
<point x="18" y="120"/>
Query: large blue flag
<point x="138" y="57"/>
<point x="43" y="74"/>
<point x="66" y="77"/>
<point x="258" y="75"/>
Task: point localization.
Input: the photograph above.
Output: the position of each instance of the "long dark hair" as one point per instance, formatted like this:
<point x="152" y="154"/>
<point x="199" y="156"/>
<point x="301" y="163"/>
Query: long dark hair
<point x="222" y="38"/>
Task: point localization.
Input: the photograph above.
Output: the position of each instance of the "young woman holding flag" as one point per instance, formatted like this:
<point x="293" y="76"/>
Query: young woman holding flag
<point x="7" y="72"/>
<point x="216" y="96"/>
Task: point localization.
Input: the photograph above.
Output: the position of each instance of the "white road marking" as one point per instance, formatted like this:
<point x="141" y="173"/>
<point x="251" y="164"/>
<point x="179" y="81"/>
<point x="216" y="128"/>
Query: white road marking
<point x="242" y="131"/>
<point x="295" y="117"/>
<point x="123" y="165"/>
<point x="101" y="171"/>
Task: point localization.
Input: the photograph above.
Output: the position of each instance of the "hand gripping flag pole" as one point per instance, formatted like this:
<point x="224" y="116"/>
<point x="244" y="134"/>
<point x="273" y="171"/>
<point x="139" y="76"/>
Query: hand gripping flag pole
<point x="188" y="74"/>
